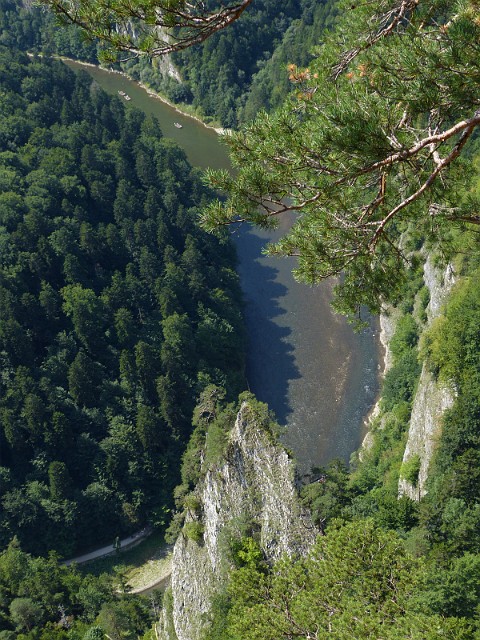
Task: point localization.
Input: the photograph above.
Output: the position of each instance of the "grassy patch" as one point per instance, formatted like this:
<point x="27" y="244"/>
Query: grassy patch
<point x="133" y="559"/>
<point x="410" y="469"/>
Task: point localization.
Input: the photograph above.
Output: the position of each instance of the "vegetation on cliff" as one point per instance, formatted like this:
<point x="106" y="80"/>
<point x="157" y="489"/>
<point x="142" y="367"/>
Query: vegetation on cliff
<point x="378" y="150"/>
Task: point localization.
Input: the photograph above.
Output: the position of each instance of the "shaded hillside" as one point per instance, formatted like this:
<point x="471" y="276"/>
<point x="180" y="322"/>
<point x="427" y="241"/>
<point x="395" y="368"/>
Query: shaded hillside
<point x="243" y="69"/>
<point x="116" y="311"/>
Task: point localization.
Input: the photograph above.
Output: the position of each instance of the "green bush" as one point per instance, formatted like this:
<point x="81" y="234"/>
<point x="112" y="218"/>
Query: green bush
<point x="193" y="531"/>
<point x="175" y="527"/>
<point x="400" y="381"/>
<point x="405" y="338"/>
<point x="216" y="440"/>
<point x="192" y="503"/>
<point x="424" y="297"/>
<point x="410" y="469"/>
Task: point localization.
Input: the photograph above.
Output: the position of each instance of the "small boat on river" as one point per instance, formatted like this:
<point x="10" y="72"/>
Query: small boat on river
<point x="127" y="97"/>
<point x="178" y="125"/>
<point x="121" y="93"/>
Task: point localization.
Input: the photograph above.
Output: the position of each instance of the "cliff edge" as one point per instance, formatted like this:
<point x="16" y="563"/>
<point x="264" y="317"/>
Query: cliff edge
<point x="432" y="398"/>
<point x="250" y="491"/>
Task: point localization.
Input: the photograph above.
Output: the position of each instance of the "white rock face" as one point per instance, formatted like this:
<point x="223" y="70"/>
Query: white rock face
<point x="439" y="284"/>
<point x="167" y="68"/>
<point x="388" y="324"/>
<point x="255" y="483"/>
<point x="431" y="401"/>
<point x="432" y="398"/>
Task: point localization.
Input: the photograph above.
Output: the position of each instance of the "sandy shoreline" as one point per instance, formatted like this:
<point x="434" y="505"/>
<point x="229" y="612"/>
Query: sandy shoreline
<point x="387" y="328"/>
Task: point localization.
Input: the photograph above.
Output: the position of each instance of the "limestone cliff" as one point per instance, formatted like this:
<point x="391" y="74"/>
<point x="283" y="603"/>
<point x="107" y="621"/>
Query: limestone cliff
<point x="252" y="488"/>
<point x="167" y="68"/>
<point x="431" y="399"/>
<point x="439" y="284"/>
<point x="388" y="321"/>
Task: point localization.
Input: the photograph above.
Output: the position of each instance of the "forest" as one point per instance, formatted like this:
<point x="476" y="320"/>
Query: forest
<point x="118" y="313"/>
<point x="116" y="310"/>
<point x="43" y="600"/>
<point x="227" y="80"/>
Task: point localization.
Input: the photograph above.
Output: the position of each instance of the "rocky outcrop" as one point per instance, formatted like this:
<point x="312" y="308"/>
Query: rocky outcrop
<point x="432" y="398"/>
<point x="439" y="284"/>
<point x="252" y="489"/>
<point x="167" y="68"/>
<point x="388" y="323"/>
<point x="431" y="401"/>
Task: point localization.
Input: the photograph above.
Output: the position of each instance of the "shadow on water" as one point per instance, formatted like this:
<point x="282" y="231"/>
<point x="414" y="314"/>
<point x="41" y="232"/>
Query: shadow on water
<point x="304" y="361"/>
<point x="270" y="363"/>
<point x="317" y="376"/>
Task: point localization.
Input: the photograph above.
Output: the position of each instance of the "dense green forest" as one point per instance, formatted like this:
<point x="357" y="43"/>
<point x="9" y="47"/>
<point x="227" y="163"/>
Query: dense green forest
<point x="243" y="69"/>
<point x="227" y="79"/>
<point x="117" y="313"/>
<point x="34" y="29"/>
<point x="356" y="582"/>
<point x="116" y="310"/>
<point x="42" y="600"/>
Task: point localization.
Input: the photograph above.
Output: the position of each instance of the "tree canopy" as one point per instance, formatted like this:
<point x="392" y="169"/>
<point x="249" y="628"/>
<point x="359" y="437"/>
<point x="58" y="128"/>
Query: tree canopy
<point x="370" y="141"/>
<point x="356" y="582"/>
<point x="110" y="295"/>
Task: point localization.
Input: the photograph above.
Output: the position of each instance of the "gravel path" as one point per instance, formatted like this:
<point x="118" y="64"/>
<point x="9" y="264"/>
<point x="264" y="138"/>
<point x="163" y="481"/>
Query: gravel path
<point x="126" y="543"/>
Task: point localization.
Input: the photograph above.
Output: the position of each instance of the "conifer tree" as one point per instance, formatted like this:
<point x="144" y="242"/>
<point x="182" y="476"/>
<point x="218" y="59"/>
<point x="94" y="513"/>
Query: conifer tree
<point x="370" y="141"/>
<point x="146" y="27"/>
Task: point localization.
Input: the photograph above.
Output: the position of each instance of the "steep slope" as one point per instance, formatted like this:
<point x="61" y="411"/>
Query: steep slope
<point x="432" y="397"/>
<point x="110" y="295"/>
<point x="250" y="490"/>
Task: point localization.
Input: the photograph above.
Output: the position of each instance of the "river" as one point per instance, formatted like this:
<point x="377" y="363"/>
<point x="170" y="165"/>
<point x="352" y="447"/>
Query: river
<point x="315" y="373"/>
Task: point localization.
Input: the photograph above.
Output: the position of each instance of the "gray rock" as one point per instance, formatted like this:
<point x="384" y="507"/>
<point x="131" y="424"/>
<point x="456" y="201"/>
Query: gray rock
<point x="254" y="483"/>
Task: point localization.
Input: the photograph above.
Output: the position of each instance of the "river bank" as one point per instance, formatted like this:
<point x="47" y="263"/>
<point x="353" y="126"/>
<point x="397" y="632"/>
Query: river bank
<point x="304" y="361"/>
<point x="151" y="92"/>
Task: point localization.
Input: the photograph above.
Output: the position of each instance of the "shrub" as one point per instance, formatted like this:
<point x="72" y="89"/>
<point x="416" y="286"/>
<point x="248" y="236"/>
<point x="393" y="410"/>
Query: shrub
<point x="410" y="469"/>
<point x="192" y="503"/>
<point x="193" y="531"/>
<point x="215" y="443"/>
<point x="400" y="381"/>
<point x="405" y="338"/>
<point x="174" y="528"/>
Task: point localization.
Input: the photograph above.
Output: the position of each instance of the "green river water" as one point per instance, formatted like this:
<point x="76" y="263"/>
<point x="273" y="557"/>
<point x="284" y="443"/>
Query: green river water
<point x="316" y="374"/>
